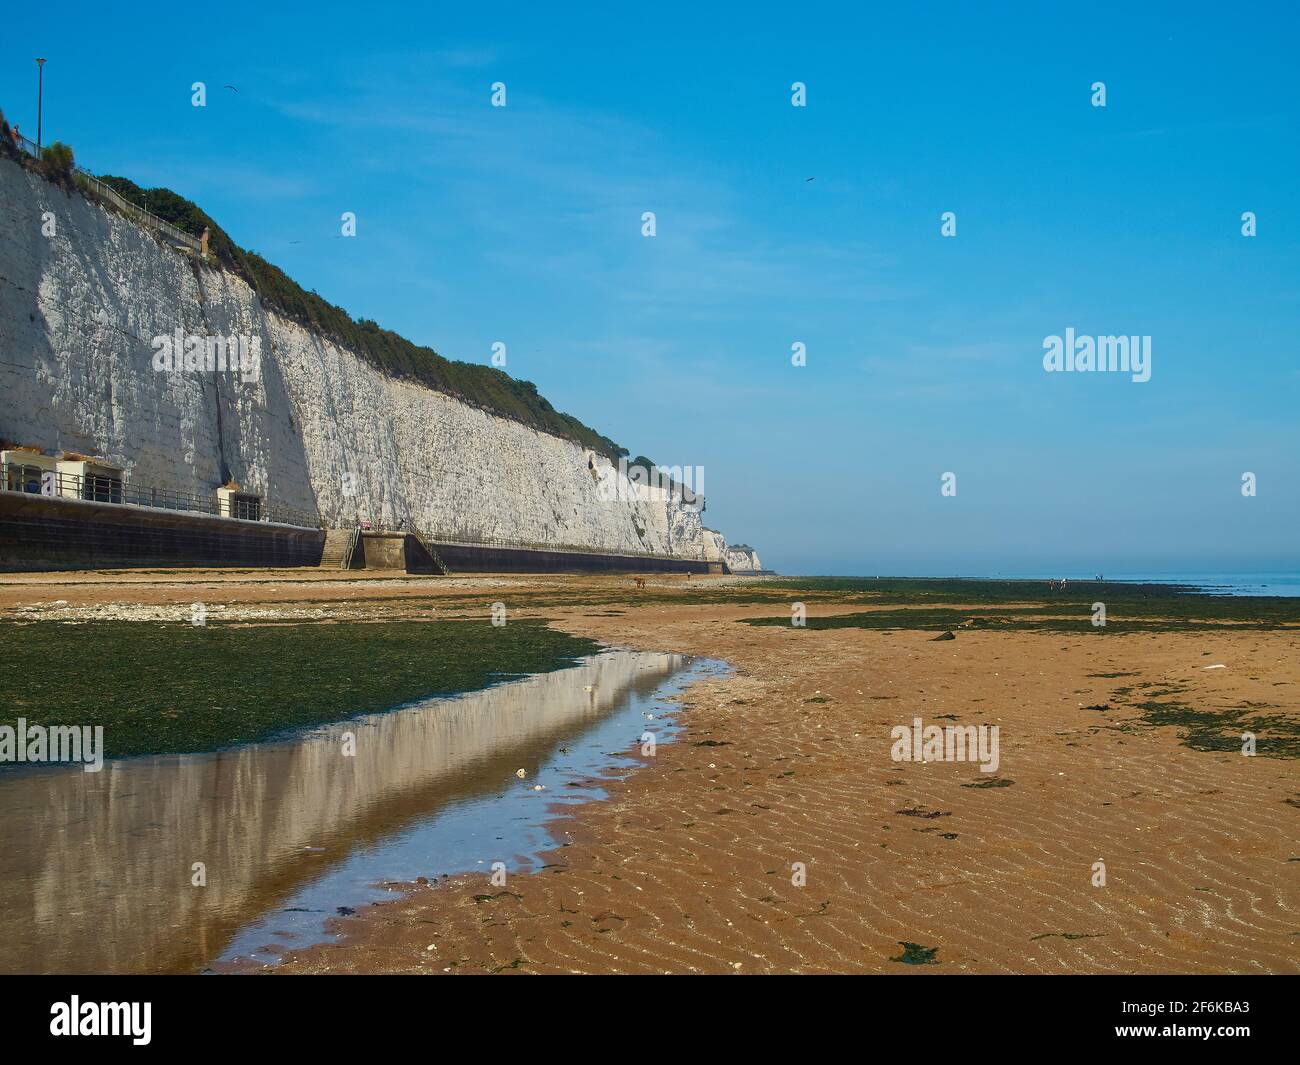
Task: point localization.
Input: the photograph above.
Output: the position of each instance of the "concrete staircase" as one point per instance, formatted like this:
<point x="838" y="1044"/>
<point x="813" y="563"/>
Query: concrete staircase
<point x="438" y="564"/>
<point x="339" y="547"/>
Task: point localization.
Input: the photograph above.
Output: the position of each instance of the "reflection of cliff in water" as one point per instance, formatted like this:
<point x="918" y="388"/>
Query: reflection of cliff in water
<point x="95" y="868"/>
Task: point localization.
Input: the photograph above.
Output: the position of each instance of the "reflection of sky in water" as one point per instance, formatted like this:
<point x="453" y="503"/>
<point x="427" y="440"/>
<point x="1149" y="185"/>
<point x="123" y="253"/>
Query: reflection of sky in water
<point x="468" y="835"/>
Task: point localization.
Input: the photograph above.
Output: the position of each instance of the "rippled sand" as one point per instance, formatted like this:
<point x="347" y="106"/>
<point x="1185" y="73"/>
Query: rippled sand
<point x="688" y="868"/>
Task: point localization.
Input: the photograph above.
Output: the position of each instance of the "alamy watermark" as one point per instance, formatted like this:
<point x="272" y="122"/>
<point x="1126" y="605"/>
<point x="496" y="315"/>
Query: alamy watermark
<point x="75" y="1017"/>
<point x="182" y="352"/>
<point x="55" y="743"/>
<point x="950" y="743"/>
<point x="637" y="483"/>
<point x="1081" y="354"/>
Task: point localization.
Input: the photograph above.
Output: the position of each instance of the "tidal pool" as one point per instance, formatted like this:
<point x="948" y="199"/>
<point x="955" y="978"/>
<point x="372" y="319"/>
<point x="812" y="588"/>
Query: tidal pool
<point x="98" y="870"/>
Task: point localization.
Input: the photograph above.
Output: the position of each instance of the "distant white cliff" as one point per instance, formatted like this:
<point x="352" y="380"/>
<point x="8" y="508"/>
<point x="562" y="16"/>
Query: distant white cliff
<point x="743" y="559"/>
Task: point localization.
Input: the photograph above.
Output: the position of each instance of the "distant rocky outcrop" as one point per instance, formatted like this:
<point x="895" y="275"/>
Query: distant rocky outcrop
<point x="741" y="558"/>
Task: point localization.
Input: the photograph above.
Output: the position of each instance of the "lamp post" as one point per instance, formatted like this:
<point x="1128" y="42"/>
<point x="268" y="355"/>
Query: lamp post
<point x="40" y="93"/>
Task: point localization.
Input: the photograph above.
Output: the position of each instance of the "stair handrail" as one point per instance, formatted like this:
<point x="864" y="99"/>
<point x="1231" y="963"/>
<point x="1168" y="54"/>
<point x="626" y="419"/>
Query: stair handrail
<point x="346" y="561"/>
<point x="433" y="554"/>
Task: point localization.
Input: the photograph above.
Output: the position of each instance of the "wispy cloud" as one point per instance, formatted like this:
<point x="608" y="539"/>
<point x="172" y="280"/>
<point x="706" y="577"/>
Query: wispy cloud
<point x="559" y="192"/>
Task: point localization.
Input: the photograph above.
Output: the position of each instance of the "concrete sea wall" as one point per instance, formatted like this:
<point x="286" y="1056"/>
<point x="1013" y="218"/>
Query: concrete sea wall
<point x="42" y="533"/>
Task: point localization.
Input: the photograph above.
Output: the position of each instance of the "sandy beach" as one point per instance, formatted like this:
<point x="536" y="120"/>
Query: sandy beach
<point x="777" y="834"/>
<point x="688" y="867"/>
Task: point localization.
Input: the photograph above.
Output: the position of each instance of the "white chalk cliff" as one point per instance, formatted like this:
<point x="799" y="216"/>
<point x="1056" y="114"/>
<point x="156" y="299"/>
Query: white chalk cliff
<point x="742" y="559"/>
<point x="320" y="429"/>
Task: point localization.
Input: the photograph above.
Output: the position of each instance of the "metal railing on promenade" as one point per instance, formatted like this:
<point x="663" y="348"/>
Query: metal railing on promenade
<point x="35" y="480"/>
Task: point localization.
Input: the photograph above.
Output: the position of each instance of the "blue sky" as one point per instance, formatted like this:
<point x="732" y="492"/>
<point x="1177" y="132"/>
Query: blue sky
<point x="523" y="224"/>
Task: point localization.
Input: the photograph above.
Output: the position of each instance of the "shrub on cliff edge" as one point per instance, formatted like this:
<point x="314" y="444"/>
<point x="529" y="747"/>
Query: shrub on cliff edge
<point x="56" y="164"/>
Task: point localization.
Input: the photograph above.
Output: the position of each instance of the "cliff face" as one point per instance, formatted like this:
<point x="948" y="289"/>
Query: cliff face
<point x="690" y="536"/>
<point x="743" y="559"/>
<point x="85" y="292"/>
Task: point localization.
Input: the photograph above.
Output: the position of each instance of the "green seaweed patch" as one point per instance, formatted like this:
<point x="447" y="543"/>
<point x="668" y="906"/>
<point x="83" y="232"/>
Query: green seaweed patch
<point x="159" y="687"/>
<point x="1068" y="935"/>
<point x="480" y="899"/>
<point x="915" y="954"/>
<point x="1130" y="608"/>
<point x="1276" y="735"/>
<point x="1164" y="606"/>
<point x="990" y="782"/>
